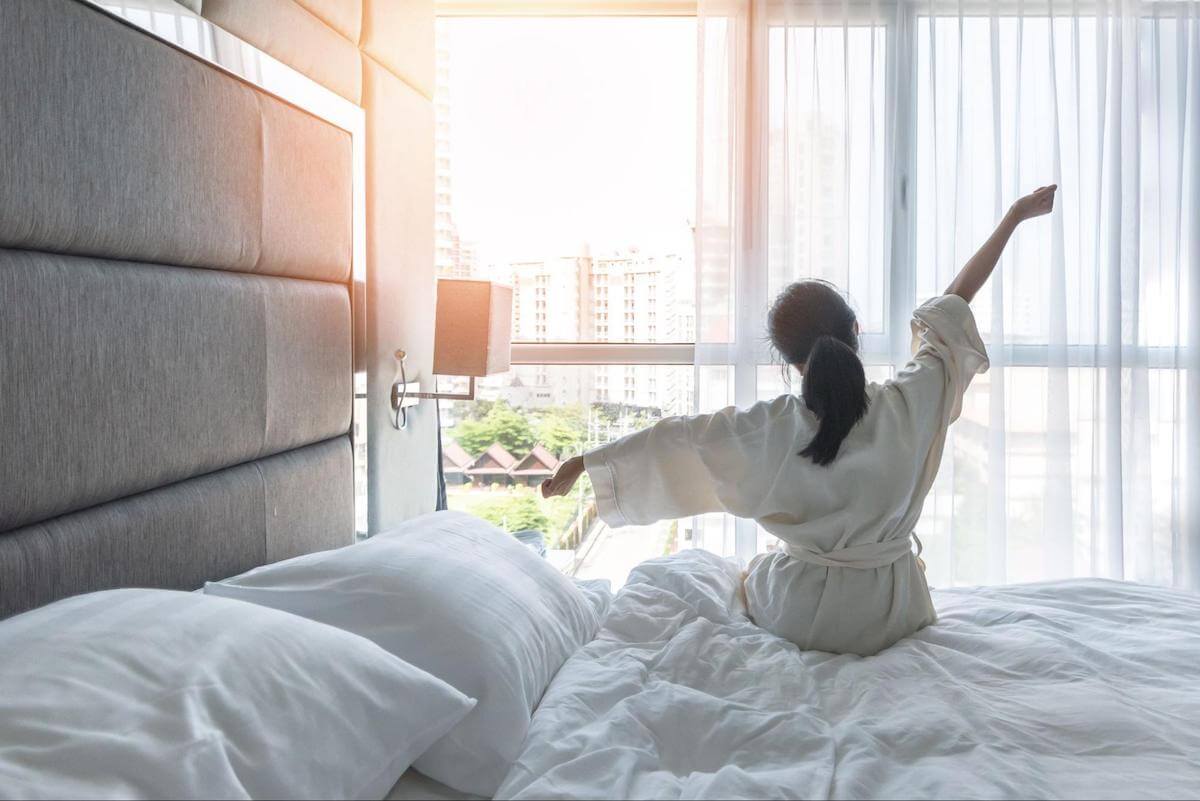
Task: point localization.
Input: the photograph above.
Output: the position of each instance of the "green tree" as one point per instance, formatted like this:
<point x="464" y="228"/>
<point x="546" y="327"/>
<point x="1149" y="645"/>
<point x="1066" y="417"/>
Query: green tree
<point x="466" y="410"/>
<point x="511" y="429"/>
<point x="473" y="435"/>
<point x="514" y="513"/>
<point x="561" y="430"/>
<point x="475" y="410"/>
<point x="501" y="424"/>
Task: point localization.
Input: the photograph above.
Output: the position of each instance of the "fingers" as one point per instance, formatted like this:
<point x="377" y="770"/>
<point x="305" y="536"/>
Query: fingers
<point x="1042" y="199"/>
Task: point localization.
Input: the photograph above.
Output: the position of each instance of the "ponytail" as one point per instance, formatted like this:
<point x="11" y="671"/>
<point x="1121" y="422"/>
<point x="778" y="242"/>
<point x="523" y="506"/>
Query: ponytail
<point x="835" y="390"/>
<point x="813" y="328"/>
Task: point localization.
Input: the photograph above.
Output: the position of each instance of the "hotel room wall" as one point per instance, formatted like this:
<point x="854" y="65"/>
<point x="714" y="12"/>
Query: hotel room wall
<point x="379" y="54"/>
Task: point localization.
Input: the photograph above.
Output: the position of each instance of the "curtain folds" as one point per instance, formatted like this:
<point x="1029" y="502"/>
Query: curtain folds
<point x="875" y="145"/>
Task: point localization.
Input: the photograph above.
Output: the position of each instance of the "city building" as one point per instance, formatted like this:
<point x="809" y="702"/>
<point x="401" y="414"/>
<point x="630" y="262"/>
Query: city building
<point x="618" y="296"/>
<point x="552" y="298"/>
<point x="453" y="258"/>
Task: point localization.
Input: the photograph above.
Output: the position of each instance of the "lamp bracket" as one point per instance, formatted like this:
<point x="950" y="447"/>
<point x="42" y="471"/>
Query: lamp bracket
<point x="468" y="395"/>
<point x="406" y="394"/>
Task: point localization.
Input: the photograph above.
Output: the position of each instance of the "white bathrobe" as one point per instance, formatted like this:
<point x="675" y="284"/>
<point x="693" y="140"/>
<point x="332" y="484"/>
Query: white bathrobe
<point x="846" y="579"/>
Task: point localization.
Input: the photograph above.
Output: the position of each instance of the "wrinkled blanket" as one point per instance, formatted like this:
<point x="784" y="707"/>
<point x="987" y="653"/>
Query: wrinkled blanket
<point x="1083" y="689"/>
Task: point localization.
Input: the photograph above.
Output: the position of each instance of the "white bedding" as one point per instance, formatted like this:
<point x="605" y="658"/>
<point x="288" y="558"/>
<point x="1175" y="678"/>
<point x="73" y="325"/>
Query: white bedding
<point x="415" y="786"/>
<point x="1083" y="688"/>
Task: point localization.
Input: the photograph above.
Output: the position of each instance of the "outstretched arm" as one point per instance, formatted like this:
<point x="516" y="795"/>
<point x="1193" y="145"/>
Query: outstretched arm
<point x="681" y="466"/>
<point x="657" y="473"/>
<point x="974" y="274"/>
<point x="654" y="474"/>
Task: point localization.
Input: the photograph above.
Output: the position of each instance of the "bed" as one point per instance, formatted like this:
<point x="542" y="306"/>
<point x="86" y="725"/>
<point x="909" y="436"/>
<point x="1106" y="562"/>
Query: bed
<point x="1072" y="689"/>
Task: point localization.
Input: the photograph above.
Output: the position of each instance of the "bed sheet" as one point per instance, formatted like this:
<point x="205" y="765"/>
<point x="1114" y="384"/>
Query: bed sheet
<point x="1073" y="689"/>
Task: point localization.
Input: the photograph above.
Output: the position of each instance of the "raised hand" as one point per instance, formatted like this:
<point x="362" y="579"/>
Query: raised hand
<point x="1038" y="202"/>
<point x="564" y="478"/>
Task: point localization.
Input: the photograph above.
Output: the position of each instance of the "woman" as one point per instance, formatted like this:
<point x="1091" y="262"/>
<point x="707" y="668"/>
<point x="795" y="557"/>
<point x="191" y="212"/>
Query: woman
<point x="838" y="475"/>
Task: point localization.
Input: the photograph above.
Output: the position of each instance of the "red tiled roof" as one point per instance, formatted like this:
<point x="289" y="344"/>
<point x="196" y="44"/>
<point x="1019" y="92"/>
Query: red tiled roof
<point x="454" y="458"/>
<point x="494" y="461"/>
<point x="538" y="462"/>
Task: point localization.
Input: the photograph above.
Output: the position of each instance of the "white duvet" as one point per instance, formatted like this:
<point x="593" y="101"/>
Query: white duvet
<point x="1084" y="689"/>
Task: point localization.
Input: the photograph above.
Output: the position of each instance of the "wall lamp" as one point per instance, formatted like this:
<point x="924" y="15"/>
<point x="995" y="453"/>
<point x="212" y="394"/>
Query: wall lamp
<point x="472" y="337"/>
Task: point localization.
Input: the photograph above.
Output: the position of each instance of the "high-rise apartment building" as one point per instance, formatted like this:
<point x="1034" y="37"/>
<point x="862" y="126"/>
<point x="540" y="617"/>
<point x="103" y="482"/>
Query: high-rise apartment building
<point x="453" y="258"/>
<point x="616" y="297"/>
<point x="639" y="298"/>
<point x="624" y="296"/>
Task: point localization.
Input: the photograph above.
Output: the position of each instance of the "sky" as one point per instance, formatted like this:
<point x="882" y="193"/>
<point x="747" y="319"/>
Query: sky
<point x="567" y="131"/>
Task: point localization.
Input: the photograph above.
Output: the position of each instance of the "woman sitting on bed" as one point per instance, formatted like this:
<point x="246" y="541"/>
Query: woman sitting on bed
<point x="838" y="475"/>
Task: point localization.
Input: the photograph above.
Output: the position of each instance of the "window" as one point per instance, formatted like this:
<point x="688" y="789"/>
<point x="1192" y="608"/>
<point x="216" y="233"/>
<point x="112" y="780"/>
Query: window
<point x="912" y="126"/>
<point x="889" y="132"/>
<point x="827" y="162"/>
<point x="569" y="210"/>
<point x="1061" y="306"/>
<point x="555" y="200"/>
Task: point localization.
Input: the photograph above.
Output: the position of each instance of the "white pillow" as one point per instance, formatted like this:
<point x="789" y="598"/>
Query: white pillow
<point x="456" y="597"/>
<point x="159" y="694"/>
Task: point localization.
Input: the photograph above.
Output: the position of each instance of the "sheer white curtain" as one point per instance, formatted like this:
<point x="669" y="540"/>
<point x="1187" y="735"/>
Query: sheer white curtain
<point x="876" y="145"/>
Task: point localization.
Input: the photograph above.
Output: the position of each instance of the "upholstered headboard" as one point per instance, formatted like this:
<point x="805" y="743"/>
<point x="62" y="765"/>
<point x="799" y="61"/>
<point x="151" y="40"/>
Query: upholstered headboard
<point x="176" y="347"/>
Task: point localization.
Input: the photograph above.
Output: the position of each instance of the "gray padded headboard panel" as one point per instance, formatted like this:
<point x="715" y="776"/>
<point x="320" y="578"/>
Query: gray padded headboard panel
<point x="163" y="424"/>
<point x="174" y="372"/>
<point x="184" y="534"/>
<point x="119" y="146"/>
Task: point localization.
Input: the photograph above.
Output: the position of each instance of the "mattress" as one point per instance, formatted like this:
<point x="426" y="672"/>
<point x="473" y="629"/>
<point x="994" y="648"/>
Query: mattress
<point x="1077" y="689"/>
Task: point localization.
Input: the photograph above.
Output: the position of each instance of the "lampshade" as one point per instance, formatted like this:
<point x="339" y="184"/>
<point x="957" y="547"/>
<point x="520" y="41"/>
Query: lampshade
<point x="473" y="329"/>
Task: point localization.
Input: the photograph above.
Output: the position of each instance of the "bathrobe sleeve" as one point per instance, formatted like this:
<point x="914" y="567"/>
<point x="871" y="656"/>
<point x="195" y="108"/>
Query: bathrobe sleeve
<point x="684" y="466"/>
<point x="947" y="353"/>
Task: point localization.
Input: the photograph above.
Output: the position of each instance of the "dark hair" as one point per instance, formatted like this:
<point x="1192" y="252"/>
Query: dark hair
<point x="812" y="325"/>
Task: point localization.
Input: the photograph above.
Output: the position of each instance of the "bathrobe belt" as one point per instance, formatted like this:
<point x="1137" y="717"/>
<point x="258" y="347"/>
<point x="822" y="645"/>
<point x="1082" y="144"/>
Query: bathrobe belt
<point x="864" y="557"/>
